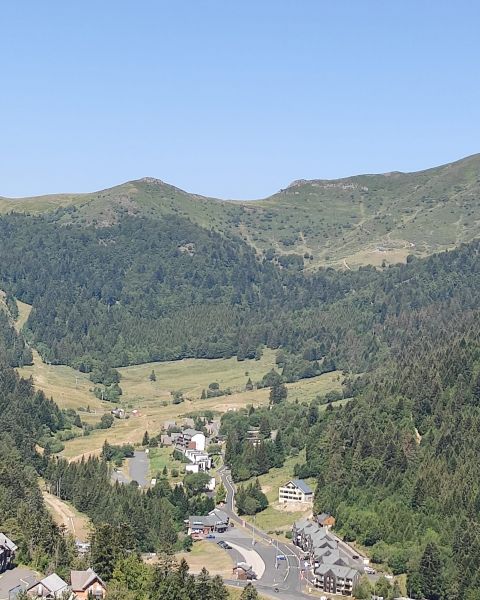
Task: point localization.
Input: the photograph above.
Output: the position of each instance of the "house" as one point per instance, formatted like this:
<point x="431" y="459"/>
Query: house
<point x="295" y="490"/>
<point x="190" y="439"/>
<point x="50" y="588"/>
<point x="243" y="571"/>
<point x="87" y="584"/>
<point x="213" y="428"/>
<point x="336" y="579"/>
<point x="166" y="440"/>
<point x="326" y="520"/>
<point x="254" y="436"/>
<point x="215" y="521"/>
<point x="7" y="552"/>
<point x="169" y="425"/>
<point x="119" y="413"/>
<point x="197" y="457"/>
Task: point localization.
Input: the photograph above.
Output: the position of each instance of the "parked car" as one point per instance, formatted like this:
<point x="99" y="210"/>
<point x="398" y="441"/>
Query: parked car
<point x="369" y="570"/>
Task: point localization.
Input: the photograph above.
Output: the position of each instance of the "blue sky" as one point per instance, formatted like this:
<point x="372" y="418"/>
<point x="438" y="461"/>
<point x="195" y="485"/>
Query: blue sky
<point x="233" y="99"/>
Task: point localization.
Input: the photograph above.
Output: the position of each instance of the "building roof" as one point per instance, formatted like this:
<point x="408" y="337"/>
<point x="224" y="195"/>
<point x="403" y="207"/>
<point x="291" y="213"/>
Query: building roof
<point x="81" y="580"/>
<point x="300" y="484"/>
<point x="220" y="514"/>
<point x="243" y="565"/>
<point x="321" y="517"/>
<point x="201" y="521"/>
<point x="337" y="570"/>
<point x="5" y="541"/>
<point x="191" y="432"/>
<point x="53" y="583"/>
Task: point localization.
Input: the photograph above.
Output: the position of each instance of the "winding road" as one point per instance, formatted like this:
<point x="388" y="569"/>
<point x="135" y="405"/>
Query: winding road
<point x="283" y="562"/>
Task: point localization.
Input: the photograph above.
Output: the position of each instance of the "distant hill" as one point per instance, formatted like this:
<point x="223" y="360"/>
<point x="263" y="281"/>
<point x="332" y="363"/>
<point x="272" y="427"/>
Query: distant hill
<point x="365" y="219"/>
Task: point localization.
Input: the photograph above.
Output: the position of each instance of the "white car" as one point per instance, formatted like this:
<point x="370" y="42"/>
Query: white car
<point x="369" y="570"/>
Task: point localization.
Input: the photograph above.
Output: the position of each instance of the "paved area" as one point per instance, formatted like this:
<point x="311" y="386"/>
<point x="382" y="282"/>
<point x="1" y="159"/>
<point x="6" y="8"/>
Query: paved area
<point x="135" y="469"/>
<point x="20" y="576"/>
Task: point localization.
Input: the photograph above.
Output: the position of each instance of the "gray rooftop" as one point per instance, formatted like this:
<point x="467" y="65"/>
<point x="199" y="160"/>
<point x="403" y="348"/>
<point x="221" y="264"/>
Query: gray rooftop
<point x="81" y="580"/>
<point x="5" y="541"/>
<point x="337" y="570"/>
<point x="300" y="484"/>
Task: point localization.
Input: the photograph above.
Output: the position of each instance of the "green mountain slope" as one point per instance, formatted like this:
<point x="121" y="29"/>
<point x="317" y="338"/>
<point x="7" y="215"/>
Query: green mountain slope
<point x="366" y="219"/>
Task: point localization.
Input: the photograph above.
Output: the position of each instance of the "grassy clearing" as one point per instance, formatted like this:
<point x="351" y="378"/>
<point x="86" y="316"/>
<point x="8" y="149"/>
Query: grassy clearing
<point x="208" y="555"/>
<point x="72" y="389"/>
<point x="24" y="311"/>
<point x="162" y="457"/>
<point x="235" y="593"/>
<point x="275" y="517"/>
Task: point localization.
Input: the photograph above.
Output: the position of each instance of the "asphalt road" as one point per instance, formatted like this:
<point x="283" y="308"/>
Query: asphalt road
<point x="138" y="470"/>
<point x="284" y="569"/>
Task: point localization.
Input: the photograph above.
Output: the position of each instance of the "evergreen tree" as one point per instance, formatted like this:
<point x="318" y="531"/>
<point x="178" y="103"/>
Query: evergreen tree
<point x="431" y="575"/>
<point x="249" y="593"/>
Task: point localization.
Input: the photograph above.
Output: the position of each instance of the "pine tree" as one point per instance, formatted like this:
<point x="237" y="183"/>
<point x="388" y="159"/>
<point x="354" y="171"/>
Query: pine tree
<point x="153" y="377"/>
<point x="249" y="593"/>
<point x="146" y="439"/>
<point x="431" y="572"/>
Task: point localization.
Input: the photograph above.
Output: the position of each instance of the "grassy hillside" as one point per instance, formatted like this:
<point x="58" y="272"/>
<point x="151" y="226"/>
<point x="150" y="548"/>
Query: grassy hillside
<point x="359" y="220"/>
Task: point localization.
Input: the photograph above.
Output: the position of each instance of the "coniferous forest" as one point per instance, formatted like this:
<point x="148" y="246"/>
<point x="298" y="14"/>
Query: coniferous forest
<point x="398" y="464"/>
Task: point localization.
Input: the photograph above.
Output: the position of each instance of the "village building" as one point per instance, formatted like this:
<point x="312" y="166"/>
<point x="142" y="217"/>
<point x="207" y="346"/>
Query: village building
<point x="336" y="579"/>
<point x="201" y="526"/>
<point x="49" y="588"/>
<point x="87" y="585"/>
<point x="7" y="552"/>
<point x="190" y="439"/>
<point x="243" y="571"/>
<point x="199" y="458"/>
<point x="326" y="520"/>
<point x="295" y="490"/>
<point x="332" y="566"/>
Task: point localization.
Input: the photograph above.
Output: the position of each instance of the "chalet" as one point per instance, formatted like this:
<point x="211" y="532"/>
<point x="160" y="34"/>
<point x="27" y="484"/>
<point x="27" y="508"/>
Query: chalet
<point x="336" y="579"/>
<point x="87" y="585"/>
<point x="7" y="552"/>
<point x="215" y="521"/>
<point x="295" y="490"/>
<point x="166" y="440"/>
<point x="243" y="571"/>
<point x="50" y="588"/>
<point x="326" y="520"/>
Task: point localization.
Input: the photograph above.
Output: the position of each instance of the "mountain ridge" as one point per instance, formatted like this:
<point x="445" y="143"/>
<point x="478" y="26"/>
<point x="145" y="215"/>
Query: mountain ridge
<point x="361" y="219"/>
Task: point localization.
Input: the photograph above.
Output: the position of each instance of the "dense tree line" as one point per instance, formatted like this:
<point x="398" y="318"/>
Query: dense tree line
<point x="153" y="518"/>
<point x="25" y="416"/>
<point x="144" y="290"/>
<point x="13" y="350"/>
<point x="399" y="466"/>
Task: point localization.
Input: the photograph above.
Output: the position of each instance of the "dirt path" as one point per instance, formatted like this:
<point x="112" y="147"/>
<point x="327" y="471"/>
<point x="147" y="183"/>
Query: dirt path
<point x="77" y="524"/>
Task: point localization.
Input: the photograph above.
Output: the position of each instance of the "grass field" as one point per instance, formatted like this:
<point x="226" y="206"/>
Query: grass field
<point x="153" y="400"/>
<point x="208" y="555"/>
<point x="274" y="518"/>
<point x="235" y="593"/>
<point x="162" y="457"/>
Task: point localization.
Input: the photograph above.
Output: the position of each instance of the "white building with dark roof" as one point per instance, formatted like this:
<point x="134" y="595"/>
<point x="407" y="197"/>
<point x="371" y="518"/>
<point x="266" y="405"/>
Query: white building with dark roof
<point x="295" y="490"/>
